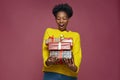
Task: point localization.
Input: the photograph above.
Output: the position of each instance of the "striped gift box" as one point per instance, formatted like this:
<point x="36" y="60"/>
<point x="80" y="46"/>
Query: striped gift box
<point x="61" y="54"/>
<point x="59" y="46"/>
<point x="49" y="40"/>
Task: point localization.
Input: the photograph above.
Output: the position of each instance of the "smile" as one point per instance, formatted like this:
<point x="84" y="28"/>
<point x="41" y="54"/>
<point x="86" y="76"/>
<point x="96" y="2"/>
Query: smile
<point x="61" y="25"/>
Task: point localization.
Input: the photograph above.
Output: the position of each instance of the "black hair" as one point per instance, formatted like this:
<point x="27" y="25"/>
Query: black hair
<point x="63" y="7"/>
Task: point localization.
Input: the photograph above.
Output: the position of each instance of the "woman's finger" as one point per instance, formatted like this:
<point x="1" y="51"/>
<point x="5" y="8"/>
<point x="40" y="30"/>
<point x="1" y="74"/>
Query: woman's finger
<point x="66" y="61"/>
<point x="69" y="60"/>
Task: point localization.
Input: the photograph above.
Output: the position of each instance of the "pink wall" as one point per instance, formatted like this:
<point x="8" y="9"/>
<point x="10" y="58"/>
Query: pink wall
<point x="22" y="24"/>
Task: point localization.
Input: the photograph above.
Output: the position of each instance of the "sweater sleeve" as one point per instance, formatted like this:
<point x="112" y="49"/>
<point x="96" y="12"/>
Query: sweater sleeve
<point x="45" y="52"/>
<point x="77" y="54"/>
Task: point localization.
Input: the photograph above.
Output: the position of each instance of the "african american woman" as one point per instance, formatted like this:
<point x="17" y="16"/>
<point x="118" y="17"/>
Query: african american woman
<point x="70" y="67"/>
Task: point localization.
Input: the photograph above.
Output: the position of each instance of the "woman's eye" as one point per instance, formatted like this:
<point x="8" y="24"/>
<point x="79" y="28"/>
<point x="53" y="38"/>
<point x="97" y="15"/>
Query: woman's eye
<point x="58" y="18"/>
<point x="64" y="19"/>
<point x="61" y="18"/>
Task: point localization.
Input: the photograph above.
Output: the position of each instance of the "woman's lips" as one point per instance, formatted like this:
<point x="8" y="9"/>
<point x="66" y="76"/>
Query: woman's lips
<point x="61" y="25"/>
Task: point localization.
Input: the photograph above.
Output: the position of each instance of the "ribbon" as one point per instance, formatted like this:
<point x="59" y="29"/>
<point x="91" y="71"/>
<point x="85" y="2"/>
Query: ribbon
<point x="60" y="56"/>
<point x="59" y="45"/>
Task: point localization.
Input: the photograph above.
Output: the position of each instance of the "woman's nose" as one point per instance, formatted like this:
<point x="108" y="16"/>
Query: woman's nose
<point x="61" y="20"/>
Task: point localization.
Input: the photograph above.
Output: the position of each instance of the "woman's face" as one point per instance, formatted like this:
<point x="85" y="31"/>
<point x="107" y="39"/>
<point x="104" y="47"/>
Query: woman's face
<point x="62" y="20"/>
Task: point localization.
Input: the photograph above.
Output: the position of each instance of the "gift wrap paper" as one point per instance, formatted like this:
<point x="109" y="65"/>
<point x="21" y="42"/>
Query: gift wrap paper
<point x="61" y="54"/>
<point x="59" y="46"/>
<point x="59" y="40"/>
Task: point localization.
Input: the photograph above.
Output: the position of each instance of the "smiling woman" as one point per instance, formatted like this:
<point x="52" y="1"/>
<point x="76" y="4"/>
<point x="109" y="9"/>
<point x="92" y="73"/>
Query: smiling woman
<point x="62" y="13"/>
<point x="61" y="42"/>
<point x="62" y="20"/>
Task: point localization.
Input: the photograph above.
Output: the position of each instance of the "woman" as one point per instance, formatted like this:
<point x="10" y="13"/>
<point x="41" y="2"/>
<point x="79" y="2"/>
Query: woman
<point x="68" y="70"/>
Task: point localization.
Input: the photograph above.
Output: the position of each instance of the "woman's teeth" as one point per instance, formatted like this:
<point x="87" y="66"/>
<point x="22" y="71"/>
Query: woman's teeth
<point x="61" y="25"/>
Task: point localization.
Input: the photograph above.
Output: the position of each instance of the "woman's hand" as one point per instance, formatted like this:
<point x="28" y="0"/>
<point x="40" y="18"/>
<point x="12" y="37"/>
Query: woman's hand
<point x="70" y="64"/>
<point x="51" y="60"/>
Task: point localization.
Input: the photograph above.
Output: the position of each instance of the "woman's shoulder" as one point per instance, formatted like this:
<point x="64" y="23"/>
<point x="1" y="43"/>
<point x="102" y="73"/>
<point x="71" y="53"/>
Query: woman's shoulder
<point x="50" y="29"/>
<point x="74" y="33"/>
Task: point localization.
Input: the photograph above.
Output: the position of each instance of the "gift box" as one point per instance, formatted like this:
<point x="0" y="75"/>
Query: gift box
<point x="49" y="40"/>
<point x="59" y="46"/>
<point x="67" y="40"/>
<point x="61" y="54"/>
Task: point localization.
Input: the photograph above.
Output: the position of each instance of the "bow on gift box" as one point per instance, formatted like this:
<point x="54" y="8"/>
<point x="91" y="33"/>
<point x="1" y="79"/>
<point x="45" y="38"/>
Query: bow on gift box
<point x="52" y="38"/>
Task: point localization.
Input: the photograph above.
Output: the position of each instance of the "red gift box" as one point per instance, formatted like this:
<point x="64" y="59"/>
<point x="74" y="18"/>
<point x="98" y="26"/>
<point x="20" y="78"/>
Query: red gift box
<point x="59" y="46"/>
<point x="67" y="40"/>
<point x="49" y="40"/>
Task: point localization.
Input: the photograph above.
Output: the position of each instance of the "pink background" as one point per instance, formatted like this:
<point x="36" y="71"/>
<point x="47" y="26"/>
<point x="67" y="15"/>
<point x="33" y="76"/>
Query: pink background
<point x="22" y="25"/>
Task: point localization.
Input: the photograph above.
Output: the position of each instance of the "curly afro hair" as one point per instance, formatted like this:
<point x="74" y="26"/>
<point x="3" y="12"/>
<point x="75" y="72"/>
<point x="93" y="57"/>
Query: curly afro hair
<point x="63" y="7"/>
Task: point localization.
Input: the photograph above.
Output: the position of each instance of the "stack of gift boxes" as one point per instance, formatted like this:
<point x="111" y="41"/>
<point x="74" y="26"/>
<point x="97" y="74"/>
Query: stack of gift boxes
<point x="60" y="47"/>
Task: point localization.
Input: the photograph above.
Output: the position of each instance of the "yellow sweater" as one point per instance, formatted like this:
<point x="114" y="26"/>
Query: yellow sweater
<point x="77" y="55"/>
